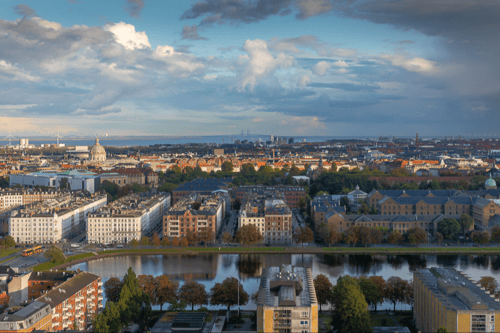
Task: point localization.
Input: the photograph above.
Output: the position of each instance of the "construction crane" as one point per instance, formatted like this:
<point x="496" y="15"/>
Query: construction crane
<point x="10" y="137"/>
<point x="58" y="137"/>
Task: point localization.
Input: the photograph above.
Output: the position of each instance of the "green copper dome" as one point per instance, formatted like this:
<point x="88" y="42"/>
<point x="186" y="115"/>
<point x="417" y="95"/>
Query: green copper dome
<point x="490" y="182"/>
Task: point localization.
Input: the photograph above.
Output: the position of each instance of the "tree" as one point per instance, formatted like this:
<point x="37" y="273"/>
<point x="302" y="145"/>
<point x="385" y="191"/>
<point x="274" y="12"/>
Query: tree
<point x="323" y="288"/>
<point x="134" y="242"/>
<point x="465" y="222"/>
<point x="176" y="305"/>
<point x="191" y="237"/>
<point x="248" y="234"/>
<point x="350" y="313"/>
<point x="205" y="235"/>
<point x="417" y="235"/>
<point x="144" y="240"/>
<point x="449" y="227"/>
<point x="395" y="290"/>
<point x="328" y="234"/>
<point x="495" y="235"/>
<point x="370" y="290"/>
<point x="155" y="240"/>
<point x="481" y="237"/>
<point x="55" y="255"/>
<point x="147" y="285"/>
<point x="303" y="235"/>
<point x="193" y="293"/>
<point x="442" y="329"/>
<point x="112" y="289"/>
<point x="376" y="235"/>
<point x="175" y="241"/>
<point x="226" y="293"/>
<point x="184" y="242"/>
<point x="165" y="242"/>
<point x="439" y="237"/>
<point x="365" y="235"/>
<point x="227" y="238"/>
<point x="395" y="237"/>
<point x="489" y="283"/>
<point x="166" y="290"/>
<point x="227" y="166"/>
<point x="380" y="283"/>
<point x="8" y="242"/>
<point x="64" y="184"/>
<point x="351" y="235"/>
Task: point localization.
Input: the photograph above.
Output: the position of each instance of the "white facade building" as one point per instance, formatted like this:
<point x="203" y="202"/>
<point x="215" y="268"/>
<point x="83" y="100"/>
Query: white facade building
<point x="52" y="223"/>
<point x="129" y="218"/>
<point x="77" y="180"/>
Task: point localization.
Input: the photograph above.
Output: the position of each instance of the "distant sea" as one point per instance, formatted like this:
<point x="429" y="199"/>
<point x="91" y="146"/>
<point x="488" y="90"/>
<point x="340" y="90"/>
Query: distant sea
<point x="138" y="141"/>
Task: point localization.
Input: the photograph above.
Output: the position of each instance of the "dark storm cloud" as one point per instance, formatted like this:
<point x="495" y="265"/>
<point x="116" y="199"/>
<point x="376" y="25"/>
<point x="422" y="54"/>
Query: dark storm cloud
<point x="234" y="12"/>
<point x="24" y="10"/>
<point x="191" y="32"/>
<point x="134" y="7"/>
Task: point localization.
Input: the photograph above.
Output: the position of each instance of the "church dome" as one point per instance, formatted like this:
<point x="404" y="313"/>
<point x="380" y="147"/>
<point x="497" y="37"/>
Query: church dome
<point x="490" y="183"/>
<point x="98" y="153"/>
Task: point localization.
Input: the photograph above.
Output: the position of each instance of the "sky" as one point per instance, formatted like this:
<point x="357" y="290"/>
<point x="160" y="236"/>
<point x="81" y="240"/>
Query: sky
<point x="282" y="67"/>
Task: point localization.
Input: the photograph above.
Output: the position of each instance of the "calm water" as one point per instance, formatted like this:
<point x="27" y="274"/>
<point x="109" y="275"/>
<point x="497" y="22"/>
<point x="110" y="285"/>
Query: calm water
<point x="210" y="269"/>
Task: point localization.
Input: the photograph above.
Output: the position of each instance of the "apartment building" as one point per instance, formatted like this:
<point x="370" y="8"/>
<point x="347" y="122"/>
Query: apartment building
<point x="203" y="186"/>
<point x="128" y="218"/>
<point x="16" y="197"/>
<point x="75" y="301"/>
<point x="31" y="317"/>
<point x="425" y="205"/>
<point x="287" y="300"/>
<point x="294" y="195"/>
<point x="445" y="297"/>
<point x="40" y="283"/>
<point x="323" y="204"/>
<point x="54" y="219"/>
<point x="194" y="213"/>
<point x="77" y="180"/>
<point x="269" y="213"/>
<point x="486" y="212"/>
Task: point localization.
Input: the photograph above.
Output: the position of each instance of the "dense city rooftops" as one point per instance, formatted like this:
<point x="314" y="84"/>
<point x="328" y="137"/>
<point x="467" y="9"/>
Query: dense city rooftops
<point x="67" y="289"/>
<point x="133" y="205"/>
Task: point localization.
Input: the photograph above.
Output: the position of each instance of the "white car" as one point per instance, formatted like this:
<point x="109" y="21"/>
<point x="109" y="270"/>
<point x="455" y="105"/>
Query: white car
<point x="119" y="245"/>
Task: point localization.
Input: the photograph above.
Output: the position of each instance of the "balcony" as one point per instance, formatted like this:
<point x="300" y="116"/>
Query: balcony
<point x="100" y="305"/>
<point x="99" y="284"/>
<point x="92" y="297"/>
<point x="55" y="315"/>
<point x="100" y="298"/>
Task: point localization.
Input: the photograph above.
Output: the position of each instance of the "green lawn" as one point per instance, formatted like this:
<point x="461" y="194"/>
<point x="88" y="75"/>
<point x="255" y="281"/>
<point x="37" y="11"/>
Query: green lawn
<point x="48" y="265"/>
<point x="7" y="252"/>
<point x="405" y="250"/>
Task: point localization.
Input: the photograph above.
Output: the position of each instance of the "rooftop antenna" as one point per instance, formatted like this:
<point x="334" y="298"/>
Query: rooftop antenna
<point x="10" y="137"/>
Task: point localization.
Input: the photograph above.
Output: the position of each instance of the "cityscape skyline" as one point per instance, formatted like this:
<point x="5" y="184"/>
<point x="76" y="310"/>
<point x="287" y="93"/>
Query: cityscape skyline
<point x="290" y="68"/>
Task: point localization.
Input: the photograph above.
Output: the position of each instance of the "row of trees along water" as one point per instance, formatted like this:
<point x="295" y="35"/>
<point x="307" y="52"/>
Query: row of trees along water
<point x="131" y="298"/>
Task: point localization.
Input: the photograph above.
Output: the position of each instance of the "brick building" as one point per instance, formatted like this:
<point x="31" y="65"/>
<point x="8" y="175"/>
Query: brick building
<point x="203" y="186"/>
<point x="294" y="195"/>
<point x="269" y="213"/>
<point x="40" y="283"/>
<point x="77" y="300"/>
<point x="194" y="213"/>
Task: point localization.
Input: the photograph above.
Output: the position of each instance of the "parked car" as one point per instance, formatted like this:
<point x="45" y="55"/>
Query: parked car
<point x="119" y="245"/>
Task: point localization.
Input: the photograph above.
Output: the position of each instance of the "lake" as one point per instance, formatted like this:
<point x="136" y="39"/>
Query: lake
<point x="209" y="269"/>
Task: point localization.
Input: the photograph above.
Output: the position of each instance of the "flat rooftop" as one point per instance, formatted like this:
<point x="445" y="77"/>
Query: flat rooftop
<point x="287" y="285"/>
<point x="457" y="290"/>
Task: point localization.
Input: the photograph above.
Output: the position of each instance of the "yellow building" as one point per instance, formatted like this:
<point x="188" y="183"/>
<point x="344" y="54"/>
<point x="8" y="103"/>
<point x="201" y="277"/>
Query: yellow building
<point x="34" y="316"/>
<point x="287" y="301"/>
<point x="449" y="298"/>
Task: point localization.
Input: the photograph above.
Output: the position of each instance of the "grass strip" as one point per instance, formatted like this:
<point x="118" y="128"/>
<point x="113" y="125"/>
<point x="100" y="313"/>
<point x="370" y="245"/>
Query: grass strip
<point x="48" y="265"/>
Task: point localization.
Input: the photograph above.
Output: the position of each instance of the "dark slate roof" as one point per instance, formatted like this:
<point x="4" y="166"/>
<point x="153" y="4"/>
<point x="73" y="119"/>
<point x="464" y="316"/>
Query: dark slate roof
<point x="51" y="276"/>
<point x="398" y="218"/>
<point x="481" y="202"/>
<point x="57" y="296"/>
<point x="428" y="200"/>
<point x="416" y="193"/>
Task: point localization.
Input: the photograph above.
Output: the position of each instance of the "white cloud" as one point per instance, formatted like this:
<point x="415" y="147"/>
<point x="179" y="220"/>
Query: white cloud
<point x="340" y="63"/>
<point x="262" y="63"/>
<point x="418" y="65"/>
<point x="304" y="80"/>
<point x="126" y="35"/>
<point x="11" y="72"/>
<point x="321" y="67"/>
<point x="179" y="64"/>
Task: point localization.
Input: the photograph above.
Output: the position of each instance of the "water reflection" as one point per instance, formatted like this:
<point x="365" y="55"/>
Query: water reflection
<point x="212" y="268"/>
